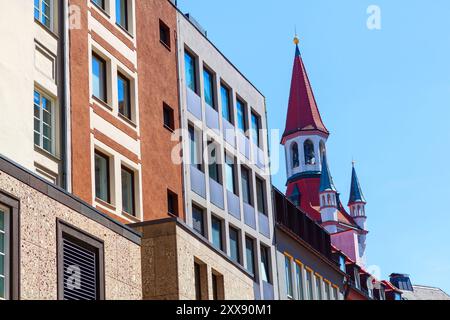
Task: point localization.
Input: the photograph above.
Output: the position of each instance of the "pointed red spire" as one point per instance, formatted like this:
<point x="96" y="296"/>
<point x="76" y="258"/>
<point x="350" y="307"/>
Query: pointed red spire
<point x="303" y="114"/>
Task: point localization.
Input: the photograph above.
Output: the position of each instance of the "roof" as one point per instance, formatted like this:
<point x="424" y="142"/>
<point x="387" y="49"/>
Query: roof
<point x="326" y="181"/>
<point x="303" y="114"/>
<point x="425" y="293"/>
<point x="356" y="194"/>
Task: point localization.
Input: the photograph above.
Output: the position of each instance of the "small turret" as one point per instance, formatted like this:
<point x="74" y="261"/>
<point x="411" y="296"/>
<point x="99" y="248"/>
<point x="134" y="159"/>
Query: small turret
<point x="357" y="202"/>
<point x="328" y="198"/>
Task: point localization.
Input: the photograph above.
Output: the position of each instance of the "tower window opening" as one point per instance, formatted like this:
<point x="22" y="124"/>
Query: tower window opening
<point x="295" y="158"/>
<point x="310" y="157"/>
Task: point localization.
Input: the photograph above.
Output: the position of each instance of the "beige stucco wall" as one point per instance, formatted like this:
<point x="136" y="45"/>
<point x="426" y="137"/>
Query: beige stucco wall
<point x="38" y="266"/>
<point x="168" y="254"/>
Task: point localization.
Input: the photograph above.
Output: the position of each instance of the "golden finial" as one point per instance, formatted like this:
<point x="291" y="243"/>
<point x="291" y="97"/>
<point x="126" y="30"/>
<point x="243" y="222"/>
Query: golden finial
<point x="296" y="40"/>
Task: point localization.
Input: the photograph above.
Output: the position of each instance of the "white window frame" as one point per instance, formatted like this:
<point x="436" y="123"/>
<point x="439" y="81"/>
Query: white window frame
<point x="41" y="13"/>
<point x="41" y="121"/>
<point x="6" y="213"/>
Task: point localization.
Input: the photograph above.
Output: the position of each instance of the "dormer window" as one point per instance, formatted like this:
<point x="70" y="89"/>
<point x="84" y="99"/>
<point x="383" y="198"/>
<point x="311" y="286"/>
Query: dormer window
<point x="295" y="158"/>
<point x="357" y="278"/>
<point x="310" y="157"/>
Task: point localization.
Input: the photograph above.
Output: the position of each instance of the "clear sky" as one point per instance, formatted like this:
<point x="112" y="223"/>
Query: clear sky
<point x="383" y="94"/>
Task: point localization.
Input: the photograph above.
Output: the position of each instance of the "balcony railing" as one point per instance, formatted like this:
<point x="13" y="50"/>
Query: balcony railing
<point x="249" y="216"/>
<point x="212" y="119"/>
<point x="244" y="145"/>
<point x="194" y="103"/>
<point x="268" y="291"/>
<point x="233" y="205"/>
<point x="198" y="184"/>
<point x="263" y="221"/>
<point x="216" y="193"/>
<point x="229" y="133"/>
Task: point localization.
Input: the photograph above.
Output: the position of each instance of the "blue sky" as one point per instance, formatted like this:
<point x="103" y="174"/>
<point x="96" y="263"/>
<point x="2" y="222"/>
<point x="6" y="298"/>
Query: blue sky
<point x="383" y="94"/>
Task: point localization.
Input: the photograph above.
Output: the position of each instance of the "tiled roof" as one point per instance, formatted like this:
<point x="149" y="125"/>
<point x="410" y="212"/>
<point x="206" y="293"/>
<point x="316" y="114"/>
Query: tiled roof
<point x="425" y="293"/>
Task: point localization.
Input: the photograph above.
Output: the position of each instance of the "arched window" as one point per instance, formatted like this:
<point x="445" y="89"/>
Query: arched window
<point x="329" y="199"/>
<point x="322" y="149"/>
<point x="310" y="157"/>
<point x="295" y="159"/>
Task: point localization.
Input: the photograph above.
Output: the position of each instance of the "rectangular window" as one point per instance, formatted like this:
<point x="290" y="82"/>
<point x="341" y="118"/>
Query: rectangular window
<point x="246" y="186"/>
<point x="164" y="34"/>
<point x="99" y="78"/>
<point x="357" y="278"/>
<point x="208" y="83"/>
<point x="102" y="183"/>
<point x="265" y="264"/>
<point x="194" y="149"/>
<point x="99" y="3"/>
<point x="256" y="127"/>
<point x="169" y="119"/>
<point x="309" y="285"/>
<point x="216" y="231"/>
<point x="217" y="286"/>
<point x="214" y="167"/>
<point x="43" y="12"/>
<point x="288" y="276"/>
<point x="128" y="192"/>
<point x="197" y="279"/>
<point x="260" y="194"/>
<point x="241" y="116"/>
<point x="335" y="293"/>
<point x="227" y="112"/>
<point x="43" y="122"/>
<point x="230" y="174"/>
<point x="250" y="255"/>
<point x="4" y="256"/>
<point x="190" y="71"/>
<point x="299" y="281"/>
<point x="81" y="271"/>
<point x="172" y="203"/>
<point x="319" y="288"/>
<point x="198" y="220"/>
<point x="235" y="244"/>
<point x="124" y="96"/>
<point x="327" y="291"/>
<point x="122" y="14"/>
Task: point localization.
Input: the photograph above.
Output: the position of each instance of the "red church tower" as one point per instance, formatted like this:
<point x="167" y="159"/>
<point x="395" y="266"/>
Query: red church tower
<point x="309" y="182"/>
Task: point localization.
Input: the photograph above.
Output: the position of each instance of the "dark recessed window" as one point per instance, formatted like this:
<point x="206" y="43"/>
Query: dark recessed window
<point x="227" y="111"/>
<point x="213" y="163"/>
<point x="102" y="189"/>
<point x="256" y="129"/>
<point x="81" y="271"/>
<point x="246" y="185"/>
<point x="99" y="3"/>
<point x="241" y="115"/>
<point x="208" y="84"/>
<point x="198" y="220"/>
<point x="128" y="193"/>
<point x="265" y="264"/>
<point x="164" y="34"/>
<point x="216" y="230"/>
<point x="124" y="96"/>
<point x="169" y="120"/>
<point x="190" y="65"/>
<point x="197" y="279"/>
<point x="235" y="245"/>
<point x="99" y="77"/>
<point x="172" y="203"/>
<point x="250" y="254"/>
<point x="217" y="286"/>
<point x="122" y="14"/>
<point x="230" y="174"/>
<point x="260" y="196"/>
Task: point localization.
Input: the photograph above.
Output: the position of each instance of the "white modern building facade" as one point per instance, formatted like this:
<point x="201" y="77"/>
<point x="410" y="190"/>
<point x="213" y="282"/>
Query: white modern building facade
<point x="225" y="159"/>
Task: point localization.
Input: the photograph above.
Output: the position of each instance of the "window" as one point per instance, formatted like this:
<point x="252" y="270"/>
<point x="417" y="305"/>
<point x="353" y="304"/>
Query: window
<point x="217" y="286"/>
<point x="80" y="265"/>
<point x="246" y="187"/>
<point x="216" y="225"/>
<point x="327" y="291"/>
<point x="122" y="13"/>
<point x="319" y="288"/>
<point x="214" y="167"/>
<point x="322" y="149"/>
<point x="397" y="296"/>
<point x="250" y="255"/>
<point x="198" y="220"/>
<point x="44" y="132"/>
<point x="227" y="112"/>
<point x="194" y="149"/>
<point x="235" y="244"/>
<point x="190" y="71"/>
<point x="208" y="84"/>
<point x="128" y="193"/>
<point x="4" y="255"/>
<point x="357" y="278"/>
<point x="99" y="78"/>
<point x="169" y="119"/>
<point x="260" y="196"/>
<point x="43" y="12"/>
<point x="309" y="285"/>
<point x="172" y="203"/>
<point x="99" y="3"/>
<point x="335" y="293"/>
<point x="197" y="279"/>
<point x="342" y="263"/>
<point x="241" y="116"/>
<point x="124" y="96"/>
<point x="256" y="127"/>
<point x="299" y="281"/>
<point x="308" y="148"/>
<point x="288" y="275"/>
<point x="295" y="158"/>
<point x="164" y="34"/>
<point x="102" y="187"/>
<point x="230" y="174"/>
<point x="265" y="264"/>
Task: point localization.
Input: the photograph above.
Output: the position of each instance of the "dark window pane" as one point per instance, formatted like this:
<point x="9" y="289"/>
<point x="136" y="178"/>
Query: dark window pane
<point x="128" y="197"/>
<point x="242" y="124"/>
<point x="99" y="3"/>
<point x="250" y="254"/>
<point x="164" y="33"/>
<point x="265" y="265"/>
<point x="235" y="254"/>
<point x="122" y="13"/>
<point x="198" y="220"/>
<point x="288" y="276"/>
<point x="168" y="117"/>
<point x="226" y="104"/>
<point x="123" y="91"/>
<point x="197" y="279"/>
<point x="214" y="168"/>
<point x="208" y="87"/>
<point x="256" y="129"/>
<point x="246" y="191"/>
<point x="102" y="177"/>
<point x="217" y="233"/>
<point x="191" y="80"/>
<point x="261" y="196"/>
<point x="98" y="77"/>
<point x="172" y="203"/>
